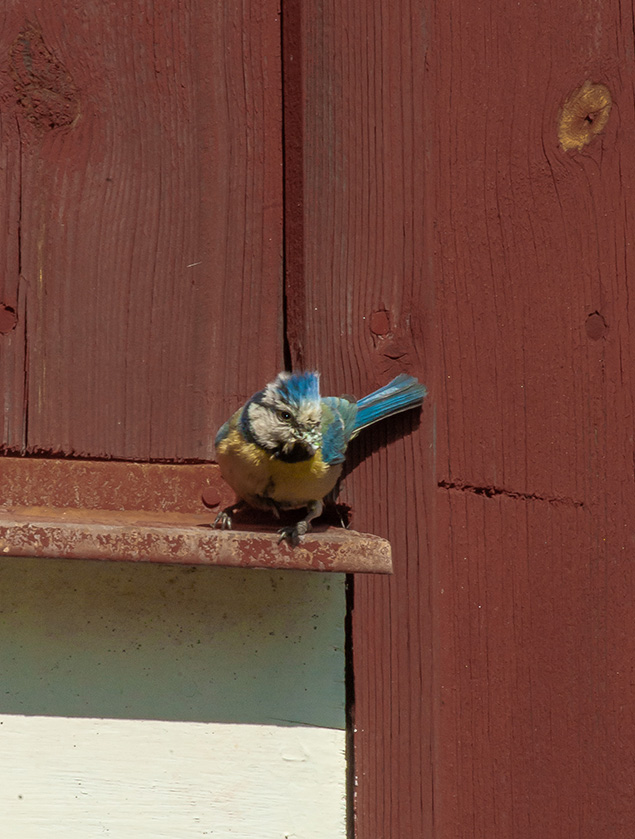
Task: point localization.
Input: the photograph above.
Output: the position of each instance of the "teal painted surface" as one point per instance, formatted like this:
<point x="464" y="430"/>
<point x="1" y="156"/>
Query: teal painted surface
<point x="117" y="640"/>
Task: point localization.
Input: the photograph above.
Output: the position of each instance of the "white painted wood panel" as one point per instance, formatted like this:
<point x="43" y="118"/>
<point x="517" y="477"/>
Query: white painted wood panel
<point x="131" y="778"/>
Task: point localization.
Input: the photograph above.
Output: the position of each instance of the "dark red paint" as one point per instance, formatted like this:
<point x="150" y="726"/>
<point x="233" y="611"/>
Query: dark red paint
<point x="142" y="219"/>
<point x="8" y="319"/>
<point x="45" y="93"/>
<point x="493" y="671"/>
<point x="380" y="322"/>
<point x="596" y="327"/>
<point x="366" y="307"/>
<point x="533" y="264"/>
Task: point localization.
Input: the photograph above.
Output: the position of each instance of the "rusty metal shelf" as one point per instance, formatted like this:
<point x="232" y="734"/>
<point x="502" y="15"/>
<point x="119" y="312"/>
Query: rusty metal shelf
<point x="155" y="513"/>
<point x="73" y="534"/>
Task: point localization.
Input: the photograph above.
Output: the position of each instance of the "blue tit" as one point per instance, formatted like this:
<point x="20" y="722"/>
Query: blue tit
<point x="284" y="449"/>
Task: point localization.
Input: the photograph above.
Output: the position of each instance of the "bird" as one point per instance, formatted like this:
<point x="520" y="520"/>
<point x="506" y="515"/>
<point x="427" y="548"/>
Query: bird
<point x="284" y="449"/>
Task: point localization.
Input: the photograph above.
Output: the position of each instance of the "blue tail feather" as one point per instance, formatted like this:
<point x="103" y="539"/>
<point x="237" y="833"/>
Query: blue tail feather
<point x="401" y="394"/>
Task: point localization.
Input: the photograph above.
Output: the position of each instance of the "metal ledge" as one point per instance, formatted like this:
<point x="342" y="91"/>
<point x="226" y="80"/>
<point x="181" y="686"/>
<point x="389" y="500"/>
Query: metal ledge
<point x="82" y="510"/>
<point x="124" y="537"/>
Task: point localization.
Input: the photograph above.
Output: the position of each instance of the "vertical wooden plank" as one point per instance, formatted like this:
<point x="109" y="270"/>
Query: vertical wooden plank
<point x="535" y="460"/>
<point x="529" y="648"/>
<point x="12" y="327"/>
<point x="148" y="135"/>
<point x="523" y="685"/>
<point x="361" y="314"/>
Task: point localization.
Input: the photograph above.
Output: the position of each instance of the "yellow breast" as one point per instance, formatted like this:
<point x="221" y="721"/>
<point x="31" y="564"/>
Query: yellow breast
<point x="257" y="476"/>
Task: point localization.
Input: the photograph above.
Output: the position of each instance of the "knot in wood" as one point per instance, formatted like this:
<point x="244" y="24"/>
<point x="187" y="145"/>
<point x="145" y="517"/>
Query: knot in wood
<point x="8" y="319"/>
<point x="584" y="114"/>
<point x="44" y="88"/>
<point x="596" y="327"/>
<point x="380" y="323"/>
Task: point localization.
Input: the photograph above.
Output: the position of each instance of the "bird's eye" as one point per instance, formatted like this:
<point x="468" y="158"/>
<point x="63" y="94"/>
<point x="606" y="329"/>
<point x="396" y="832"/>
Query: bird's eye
<point x="284" y="415"/>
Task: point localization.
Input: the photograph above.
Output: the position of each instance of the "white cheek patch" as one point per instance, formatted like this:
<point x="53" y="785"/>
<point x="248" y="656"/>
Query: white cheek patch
<point x="261" y="423"/>
<point x="266" y="428"/>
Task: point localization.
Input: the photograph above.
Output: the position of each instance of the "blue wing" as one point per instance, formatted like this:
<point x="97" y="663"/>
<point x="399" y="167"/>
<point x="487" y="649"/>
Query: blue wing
<point x="338" y="423"/>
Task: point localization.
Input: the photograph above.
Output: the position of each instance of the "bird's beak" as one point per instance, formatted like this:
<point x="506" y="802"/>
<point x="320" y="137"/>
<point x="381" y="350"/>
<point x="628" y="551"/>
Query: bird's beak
<point x="311" y="440"/>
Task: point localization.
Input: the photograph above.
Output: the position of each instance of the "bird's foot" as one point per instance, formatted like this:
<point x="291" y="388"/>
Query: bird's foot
<point x="293" y="532"/>
<point x="223" y="520"/>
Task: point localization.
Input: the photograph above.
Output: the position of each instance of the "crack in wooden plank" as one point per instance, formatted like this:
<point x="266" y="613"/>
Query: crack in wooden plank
<point x="493" y="492"/>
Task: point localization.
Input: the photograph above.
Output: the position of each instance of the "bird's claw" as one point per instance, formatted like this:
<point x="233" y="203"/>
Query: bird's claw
<point x="223" y="521"/>
<point x="293" y="533"/>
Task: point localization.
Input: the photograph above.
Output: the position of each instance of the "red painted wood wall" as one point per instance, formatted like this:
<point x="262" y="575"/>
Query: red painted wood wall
<point x="141" y="153"/>
<point x="431" y="212"/>
<point x="534" y="592"/>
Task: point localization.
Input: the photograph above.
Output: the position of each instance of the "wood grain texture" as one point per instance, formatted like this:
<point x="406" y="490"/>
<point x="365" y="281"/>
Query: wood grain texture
<point x="128" y="778"/>
<point x="363" y="314"/>
<point x="536" y="673"/>
<point x="444" y="222"/>
<point x="141" y="159"/>
<point x="535" y="528"/>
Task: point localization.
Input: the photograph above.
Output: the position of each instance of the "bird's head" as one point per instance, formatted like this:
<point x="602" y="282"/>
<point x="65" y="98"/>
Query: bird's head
<point x="285" y="418"/>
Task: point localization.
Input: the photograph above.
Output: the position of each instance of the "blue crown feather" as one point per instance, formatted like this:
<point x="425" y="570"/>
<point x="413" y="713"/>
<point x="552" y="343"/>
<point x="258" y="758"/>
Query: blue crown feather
<point x="297" y="389"/>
